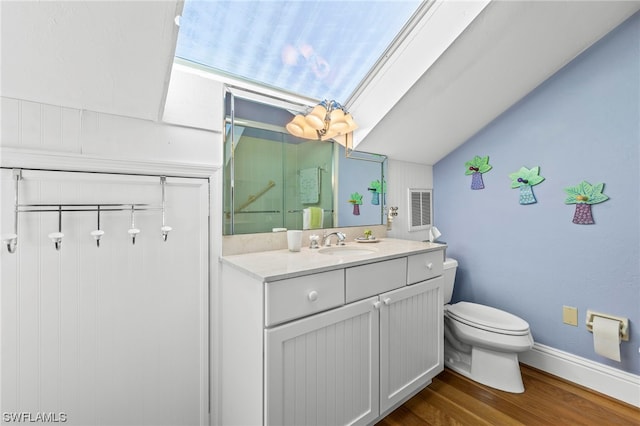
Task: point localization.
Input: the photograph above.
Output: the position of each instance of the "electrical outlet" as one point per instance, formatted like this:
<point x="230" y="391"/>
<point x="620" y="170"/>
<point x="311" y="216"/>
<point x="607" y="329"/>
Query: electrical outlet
<point x="570" y="315"/>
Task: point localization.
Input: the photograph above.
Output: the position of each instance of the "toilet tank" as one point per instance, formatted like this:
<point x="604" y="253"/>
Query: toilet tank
<point x="450" y="267"/>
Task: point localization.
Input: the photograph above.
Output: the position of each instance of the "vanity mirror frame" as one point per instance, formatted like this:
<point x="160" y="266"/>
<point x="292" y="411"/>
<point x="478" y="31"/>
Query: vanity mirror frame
<point x="230" y="123"/>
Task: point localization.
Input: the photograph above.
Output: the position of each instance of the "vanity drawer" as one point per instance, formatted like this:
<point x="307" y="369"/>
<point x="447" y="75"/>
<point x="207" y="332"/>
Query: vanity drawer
<point x="424" y="266"/>
<point x="375" y="278"/>
<point x="301" y="296"/>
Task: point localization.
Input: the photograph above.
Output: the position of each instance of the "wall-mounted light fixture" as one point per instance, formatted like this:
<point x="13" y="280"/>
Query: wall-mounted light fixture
<point x="325" y="121"/>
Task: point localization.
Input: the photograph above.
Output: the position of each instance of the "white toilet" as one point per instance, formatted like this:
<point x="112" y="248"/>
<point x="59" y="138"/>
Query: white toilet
<point x="482" y="343"/>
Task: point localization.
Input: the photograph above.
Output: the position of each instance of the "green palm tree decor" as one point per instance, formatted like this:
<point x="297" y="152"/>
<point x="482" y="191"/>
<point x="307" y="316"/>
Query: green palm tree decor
<point x="476" y="168"/>
<point x="525" y="179"/>
<point x="356" y="200"/>
<point x="584" y="195"/>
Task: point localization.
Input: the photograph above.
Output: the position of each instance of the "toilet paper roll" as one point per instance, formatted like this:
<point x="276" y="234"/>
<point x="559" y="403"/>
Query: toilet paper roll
<point x="606" y="337"/>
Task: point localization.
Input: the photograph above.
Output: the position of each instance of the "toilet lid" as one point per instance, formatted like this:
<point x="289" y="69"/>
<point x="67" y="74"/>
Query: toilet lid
<point x="488" y="318"/>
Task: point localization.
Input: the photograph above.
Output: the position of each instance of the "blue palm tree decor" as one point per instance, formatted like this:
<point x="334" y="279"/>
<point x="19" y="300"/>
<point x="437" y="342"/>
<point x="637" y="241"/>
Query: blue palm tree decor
<point x="525" y="179"/>
<point x="376" y="188"/>
<point x="476" y="168"/>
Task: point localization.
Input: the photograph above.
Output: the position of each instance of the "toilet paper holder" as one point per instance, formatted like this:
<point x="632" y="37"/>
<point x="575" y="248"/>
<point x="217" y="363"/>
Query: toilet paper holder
<point x="624" y="323"/>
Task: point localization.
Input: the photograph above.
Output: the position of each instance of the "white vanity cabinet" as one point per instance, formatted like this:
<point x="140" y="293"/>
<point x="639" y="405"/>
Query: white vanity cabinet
<point x="340" y="346"/>
<point x="323" y="370"/>
<point x="411" y="340"/>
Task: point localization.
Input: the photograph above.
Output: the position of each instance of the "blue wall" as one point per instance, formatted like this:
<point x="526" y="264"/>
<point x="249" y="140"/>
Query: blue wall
<point x="583" y="123"/>
<point x="355" y="176"/>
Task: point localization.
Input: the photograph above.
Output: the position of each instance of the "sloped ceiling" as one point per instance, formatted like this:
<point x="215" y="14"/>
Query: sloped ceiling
<point x="508" y="50"/>
<point x="115" y="57"/>
<point x="106" y="56"/>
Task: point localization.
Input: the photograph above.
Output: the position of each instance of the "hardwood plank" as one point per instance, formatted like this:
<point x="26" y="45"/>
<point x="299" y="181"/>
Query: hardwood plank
<point x="613" y="406"/>
<point x="441" y="410"/>
<point x="402" y="416"/>
<point x="485" y="400"/>
<point x="454" y="400"/>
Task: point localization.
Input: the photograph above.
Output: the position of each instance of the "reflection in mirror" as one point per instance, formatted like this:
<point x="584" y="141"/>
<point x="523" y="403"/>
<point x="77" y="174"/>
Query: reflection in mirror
<point x="275" y="180"/>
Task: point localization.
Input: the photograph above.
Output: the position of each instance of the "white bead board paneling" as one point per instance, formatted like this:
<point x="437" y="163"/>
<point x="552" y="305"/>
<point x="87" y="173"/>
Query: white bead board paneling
<point x="116" y="334"/>
<point x="36" y="126"/>
<point x="323" y="370"/>
<point x="409" y="325"/>
<point x="402" y="176"/>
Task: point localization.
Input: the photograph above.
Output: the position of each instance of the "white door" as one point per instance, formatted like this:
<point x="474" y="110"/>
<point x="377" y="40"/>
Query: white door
<point x="411" y="340"/>
<point x="323" y="370"/>
<point x="115" y="334"/>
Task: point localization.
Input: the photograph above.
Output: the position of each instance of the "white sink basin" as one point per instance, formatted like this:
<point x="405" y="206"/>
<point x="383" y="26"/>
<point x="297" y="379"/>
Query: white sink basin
<point x="346" y="251"/>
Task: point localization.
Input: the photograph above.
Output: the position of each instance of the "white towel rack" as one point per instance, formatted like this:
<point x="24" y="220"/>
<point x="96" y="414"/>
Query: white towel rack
<point x="11" y="240"/>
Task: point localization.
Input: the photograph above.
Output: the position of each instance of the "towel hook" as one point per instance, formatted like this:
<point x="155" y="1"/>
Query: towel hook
<point x="11" y="240"/>
<point x="133" y="231"/>
<point x="164" y="229"/>
<point x="98" y="233"/>
<point x="56" y="237"/>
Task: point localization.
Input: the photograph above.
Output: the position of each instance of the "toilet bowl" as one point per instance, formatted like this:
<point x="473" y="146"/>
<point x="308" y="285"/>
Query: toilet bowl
<point x="481" y="342"/>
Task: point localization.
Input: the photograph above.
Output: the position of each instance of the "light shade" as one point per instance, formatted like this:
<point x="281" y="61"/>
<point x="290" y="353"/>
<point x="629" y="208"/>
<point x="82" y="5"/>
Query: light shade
<point x="325" y="121"/>
<point x="296" y="126"/>
<point x="317" y="117"/>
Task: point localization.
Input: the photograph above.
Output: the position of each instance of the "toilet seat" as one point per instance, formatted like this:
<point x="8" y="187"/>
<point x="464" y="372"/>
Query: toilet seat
<point x="487" y="318"/>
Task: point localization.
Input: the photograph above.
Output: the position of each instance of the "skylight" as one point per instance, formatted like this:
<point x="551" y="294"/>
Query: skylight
<point x="316" y="49"/>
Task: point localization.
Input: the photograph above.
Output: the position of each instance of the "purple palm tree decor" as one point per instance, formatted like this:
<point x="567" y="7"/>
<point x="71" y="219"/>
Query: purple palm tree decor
<point x="584" y="195"/>
<point x="356" y="200"/>
<point x="525" y="179"/>
<point x="476" y="168"/>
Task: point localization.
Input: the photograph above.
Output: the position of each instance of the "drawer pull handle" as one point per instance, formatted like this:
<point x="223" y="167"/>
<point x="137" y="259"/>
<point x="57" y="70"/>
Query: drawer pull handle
<point x="387" y="301"/>
<point x="377" y="305"/>
<point x="313" y="296"/>
<point x="430" y="266"/>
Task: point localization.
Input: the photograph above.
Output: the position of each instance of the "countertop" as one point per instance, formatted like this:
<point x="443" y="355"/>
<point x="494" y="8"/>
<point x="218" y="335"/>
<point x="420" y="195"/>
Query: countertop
<point x="276" y="265"/>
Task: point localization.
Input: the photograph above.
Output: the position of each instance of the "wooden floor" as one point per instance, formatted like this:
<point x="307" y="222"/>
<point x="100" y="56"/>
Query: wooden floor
<point x="452" y="399"/>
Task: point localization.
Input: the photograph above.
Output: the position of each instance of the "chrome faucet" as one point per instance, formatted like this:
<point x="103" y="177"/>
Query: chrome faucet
<point x="340" y="235"/>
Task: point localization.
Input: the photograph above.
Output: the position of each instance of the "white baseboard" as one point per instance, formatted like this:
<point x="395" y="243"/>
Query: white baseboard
<point x="599" y="377"/>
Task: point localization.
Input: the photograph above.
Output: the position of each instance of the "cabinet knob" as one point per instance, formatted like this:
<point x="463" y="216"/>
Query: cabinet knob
<point x="377" y="305"/>
<point x="386" y="301"/>
<point x="313" y="296"/>
<point x="429" y="266"/>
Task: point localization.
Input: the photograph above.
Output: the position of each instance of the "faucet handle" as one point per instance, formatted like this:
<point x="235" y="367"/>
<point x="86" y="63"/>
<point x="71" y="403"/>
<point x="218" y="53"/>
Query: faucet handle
<point x="339" y="235"/>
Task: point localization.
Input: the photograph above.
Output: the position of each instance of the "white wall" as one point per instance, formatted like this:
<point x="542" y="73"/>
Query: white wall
<point x="403" y="175"/>
<point x="42" y="136"/>
<point x="30" y="125"/>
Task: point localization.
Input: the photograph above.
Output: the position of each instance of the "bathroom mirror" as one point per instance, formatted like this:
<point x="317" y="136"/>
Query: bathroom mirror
<point x="273" y="179"/>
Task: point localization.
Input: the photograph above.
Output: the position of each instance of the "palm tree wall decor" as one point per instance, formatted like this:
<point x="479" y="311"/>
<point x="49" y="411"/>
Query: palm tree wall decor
<point x="525" y="179"/>
<point x="356" y="200"/>
<point x="584" y="195"/>
<point x="476" y="168"/>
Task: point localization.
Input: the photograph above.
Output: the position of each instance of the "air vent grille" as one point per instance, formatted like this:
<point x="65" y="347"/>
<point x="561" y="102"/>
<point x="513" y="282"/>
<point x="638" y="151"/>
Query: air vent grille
<point x="420" y="209"/>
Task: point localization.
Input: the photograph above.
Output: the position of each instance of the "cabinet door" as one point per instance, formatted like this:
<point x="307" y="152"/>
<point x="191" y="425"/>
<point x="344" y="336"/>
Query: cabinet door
<point x="323" y="370"/>
<point x="411" y="340"/>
